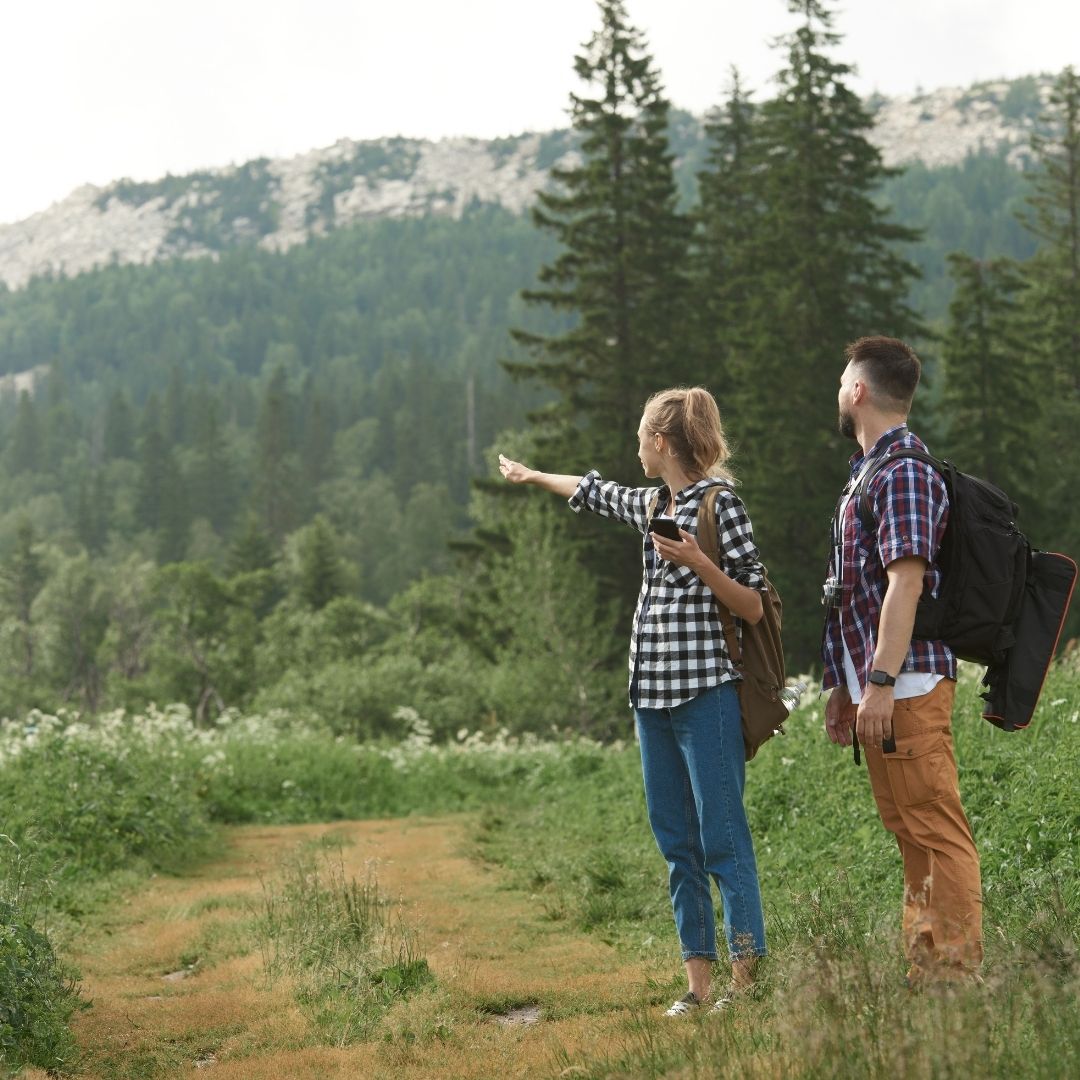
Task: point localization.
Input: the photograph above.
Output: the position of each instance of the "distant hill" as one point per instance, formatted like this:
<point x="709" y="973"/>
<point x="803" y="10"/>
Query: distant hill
<point x="276" y="204"/>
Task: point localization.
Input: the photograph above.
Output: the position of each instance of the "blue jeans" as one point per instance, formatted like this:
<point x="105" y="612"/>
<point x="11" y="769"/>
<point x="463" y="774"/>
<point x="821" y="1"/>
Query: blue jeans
<point x="694" y="765"/>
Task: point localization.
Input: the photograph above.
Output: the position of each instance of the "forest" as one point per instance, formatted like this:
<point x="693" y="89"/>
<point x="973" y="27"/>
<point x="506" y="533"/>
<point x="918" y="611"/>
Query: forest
<point x="265" y="480"/>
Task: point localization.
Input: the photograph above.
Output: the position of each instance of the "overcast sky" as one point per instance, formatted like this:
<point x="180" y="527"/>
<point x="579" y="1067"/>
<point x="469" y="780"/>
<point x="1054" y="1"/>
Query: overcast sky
<point x="95" y="90"/>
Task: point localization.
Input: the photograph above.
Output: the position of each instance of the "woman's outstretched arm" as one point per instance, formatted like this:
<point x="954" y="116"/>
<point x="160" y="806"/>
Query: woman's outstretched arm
<point x="558" y="484"/>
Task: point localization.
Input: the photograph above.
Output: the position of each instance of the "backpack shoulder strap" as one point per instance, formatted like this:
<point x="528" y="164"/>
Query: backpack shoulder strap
<point x="709" y="543"/>
<point x="650" y="506"/>
<point x="866" y="511"/>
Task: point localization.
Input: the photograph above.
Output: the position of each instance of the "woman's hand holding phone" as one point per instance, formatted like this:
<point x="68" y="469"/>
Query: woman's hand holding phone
<point x="682" y="552"/>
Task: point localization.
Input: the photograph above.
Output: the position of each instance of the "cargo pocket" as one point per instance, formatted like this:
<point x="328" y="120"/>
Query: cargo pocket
<point x="919" y="771"/>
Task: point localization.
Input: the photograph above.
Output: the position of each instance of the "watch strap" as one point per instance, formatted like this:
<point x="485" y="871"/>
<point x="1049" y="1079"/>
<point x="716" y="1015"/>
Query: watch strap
<point x="882" y="678"/>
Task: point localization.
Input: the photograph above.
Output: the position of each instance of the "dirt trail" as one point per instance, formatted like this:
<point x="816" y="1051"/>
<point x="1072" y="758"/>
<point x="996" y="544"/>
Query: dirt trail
<point x="491" y="948"/>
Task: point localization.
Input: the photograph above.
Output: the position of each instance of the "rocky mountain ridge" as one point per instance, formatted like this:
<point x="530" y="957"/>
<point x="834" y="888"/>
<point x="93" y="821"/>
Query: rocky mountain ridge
<point x="281" y="202"/>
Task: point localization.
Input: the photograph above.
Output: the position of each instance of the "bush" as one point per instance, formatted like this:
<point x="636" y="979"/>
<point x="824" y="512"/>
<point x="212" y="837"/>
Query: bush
<point x="38" y="994"/>
<point x="102" y="795"/>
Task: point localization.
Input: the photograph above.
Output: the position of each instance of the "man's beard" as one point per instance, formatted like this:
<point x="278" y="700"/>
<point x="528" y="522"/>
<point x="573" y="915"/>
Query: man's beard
<point x="846" y="424"/>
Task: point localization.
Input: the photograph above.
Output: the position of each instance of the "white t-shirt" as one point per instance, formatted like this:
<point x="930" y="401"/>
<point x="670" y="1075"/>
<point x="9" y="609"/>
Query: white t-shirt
<point x="908" y="683"/>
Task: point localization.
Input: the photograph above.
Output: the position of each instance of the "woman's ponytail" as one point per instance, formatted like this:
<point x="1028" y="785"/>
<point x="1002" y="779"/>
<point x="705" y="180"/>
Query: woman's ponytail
<point x="689" y="420"/>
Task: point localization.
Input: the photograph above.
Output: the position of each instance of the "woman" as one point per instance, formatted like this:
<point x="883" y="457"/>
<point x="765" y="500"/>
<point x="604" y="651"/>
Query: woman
<point x="682" y="681"/>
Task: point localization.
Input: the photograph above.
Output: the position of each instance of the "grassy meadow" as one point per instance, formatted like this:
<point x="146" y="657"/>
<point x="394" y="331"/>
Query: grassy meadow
<point x="91" y="808"/>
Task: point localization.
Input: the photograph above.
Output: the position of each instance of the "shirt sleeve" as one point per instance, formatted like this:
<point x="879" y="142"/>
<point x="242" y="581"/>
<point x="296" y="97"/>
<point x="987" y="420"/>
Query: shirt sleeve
<point x="738" y="552"/>
<point x="608" y="499"/>
<point x="911" y="505"/>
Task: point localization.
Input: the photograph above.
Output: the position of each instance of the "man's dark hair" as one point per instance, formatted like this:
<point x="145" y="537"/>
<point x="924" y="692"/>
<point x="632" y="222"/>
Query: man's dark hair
<point x="891" y="368"/>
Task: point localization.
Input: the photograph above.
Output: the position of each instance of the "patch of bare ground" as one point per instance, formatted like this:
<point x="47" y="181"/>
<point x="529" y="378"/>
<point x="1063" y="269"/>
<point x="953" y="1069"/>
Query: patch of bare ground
<point x="175" y="973"/>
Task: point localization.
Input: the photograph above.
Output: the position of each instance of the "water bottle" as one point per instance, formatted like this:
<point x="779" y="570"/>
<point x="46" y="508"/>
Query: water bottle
<point x="790" y="696"/>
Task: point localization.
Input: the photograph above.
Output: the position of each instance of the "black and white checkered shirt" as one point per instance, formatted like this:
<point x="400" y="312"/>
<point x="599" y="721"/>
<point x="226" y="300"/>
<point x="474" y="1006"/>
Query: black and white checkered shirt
<point x="677" y="649"/>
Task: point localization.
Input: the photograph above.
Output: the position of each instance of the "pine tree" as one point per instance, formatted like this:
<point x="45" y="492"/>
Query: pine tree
<point x="153" y="454"/>
<point x="22" y="576"/>
<point x="1054" y="217"/>
<point x="93" y="505"/>
<point x="175" y="419"/>
<point x="321" y="578"/>
<point x="620" y="279"/>
<point x="276" y="471"/>
<point x="174" y="523"/>
<point x="726" y="229"/>
<point x="1052" y="303"/>
<point x="119" y="427"/>
<point x="824" y="272"/>
<point x="317" y="441"/>
<point x="988" y="401"/>
<point x="251" y="549"/>
<point x="211" y="474"/>
<point x="161" y="496"/>
<point x="621" y="275"/>
<point x="26" y="442"/>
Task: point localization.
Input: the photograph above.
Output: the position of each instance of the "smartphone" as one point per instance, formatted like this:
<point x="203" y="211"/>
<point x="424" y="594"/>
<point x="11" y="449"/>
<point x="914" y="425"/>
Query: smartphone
<point x="665" y="527"/>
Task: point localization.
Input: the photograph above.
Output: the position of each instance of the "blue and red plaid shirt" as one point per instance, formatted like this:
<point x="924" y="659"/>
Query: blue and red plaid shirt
<point x="911" y="508"/>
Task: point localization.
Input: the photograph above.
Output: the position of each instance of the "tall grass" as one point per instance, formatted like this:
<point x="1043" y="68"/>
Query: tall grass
<point x="346" y="948"/>
<point x="86" y="800"/>
<point x="93" y="803"/>
<point x="832" y="1000"/>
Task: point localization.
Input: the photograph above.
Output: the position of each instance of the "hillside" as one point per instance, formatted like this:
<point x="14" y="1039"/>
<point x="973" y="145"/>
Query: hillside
<point x="279" y="203"/>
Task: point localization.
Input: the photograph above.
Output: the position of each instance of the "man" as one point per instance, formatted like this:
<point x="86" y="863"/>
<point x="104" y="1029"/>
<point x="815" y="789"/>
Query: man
<point x="895" y="692"/>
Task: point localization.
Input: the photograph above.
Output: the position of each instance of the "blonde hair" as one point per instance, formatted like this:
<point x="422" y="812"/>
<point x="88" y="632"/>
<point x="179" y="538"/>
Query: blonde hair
<point x="689" y="419"/>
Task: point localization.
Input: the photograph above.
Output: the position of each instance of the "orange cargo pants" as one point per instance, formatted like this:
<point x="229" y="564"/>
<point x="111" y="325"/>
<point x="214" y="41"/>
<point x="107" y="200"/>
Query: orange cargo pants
<point x="918" y="798"/>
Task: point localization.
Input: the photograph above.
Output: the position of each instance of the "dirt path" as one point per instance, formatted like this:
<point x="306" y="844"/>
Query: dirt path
<point x="178" y="988"/>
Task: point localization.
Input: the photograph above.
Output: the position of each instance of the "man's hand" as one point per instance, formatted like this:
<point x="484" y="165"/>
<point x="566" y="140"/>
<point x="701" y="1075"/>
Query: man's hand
<point x="839" y="716"/>
<point x="893" y="641"/>
<point x="875" y="715"/>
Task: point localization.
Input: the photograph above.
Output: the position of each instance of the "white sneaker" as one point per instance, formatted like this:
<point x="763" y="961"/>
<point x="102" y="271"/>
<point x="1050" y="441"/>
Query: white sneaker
<point x="729" y="996"/>
<point x="685" y="1005"/>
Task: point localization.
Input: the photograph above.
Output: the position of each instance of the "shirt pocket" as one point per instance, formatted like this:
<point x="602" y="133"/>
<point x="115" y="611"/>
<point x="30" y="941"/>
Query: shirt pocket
<point x="679" y="577"/>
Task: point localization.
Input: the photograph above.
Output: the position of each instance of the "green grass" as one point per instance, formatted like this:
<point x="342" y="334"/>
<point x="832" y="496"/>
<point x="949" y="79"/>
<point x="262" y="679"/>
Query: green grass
<point x="832" y="1001"/>
<point x="346" y="948"/>
<point x="90" y="807"/>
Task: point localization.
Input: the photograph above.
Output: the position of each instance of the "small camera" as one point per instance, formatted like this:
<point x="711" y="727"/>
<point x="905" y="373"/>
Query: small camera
<point x="831" y="593"/>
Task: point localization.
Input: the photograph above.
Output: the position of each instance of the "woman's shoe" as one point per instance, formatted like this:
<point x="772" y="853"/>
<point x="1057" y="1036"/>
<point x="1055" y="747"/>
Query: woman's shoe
<point x="685" y="1005"/>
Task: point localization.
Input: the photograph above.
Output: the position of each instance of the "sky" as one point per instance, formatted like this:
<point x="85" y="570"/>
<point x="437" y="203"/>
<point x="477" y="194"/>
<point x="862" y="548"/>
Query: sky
<point x="96" y="90"/>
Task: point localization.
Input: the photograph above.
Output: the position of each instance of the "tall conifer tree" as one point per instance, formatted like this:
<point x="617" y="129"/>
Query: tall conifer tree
<point x="1053" y="303"/>
<point x="26" y="442"/>
<point x="988" y="401"/>
<point x="275" y="478"/>
<point x="726" y="229"/>
<point x="119" y="427"/>
<point x="22" y="576"/>
<point x="825" y="270"/>
<point x="621" y="274"/>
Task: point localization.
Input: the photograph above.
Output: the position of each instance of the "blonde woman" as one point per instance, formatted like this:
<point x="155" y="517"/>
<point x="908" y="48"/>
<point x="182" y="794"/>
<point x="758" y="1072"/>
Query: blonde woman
<point x="682" y="681"/>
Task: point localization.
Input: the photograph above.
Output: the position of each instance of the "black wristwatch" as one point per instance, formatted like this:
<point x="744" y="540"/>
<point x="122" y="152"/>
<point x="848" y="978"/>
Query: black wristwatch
<point x="882" y="678"/>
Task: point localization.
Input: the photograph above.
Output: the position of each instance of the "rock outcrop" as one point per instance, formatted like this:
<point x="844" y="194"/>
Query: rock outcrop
<point x="278" y="203"/>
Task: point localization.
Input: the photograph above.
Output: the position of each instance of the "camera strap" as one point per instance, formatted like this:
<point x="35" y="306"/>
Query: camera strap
<point x="837" y="527"/>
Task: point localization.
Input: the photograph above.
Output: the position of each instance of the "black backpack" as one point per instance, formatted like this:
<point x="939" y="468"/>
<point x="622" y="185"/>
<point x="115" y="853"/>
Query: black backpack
<point x="983" y="561"/>
<point x="995" y="590"/>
